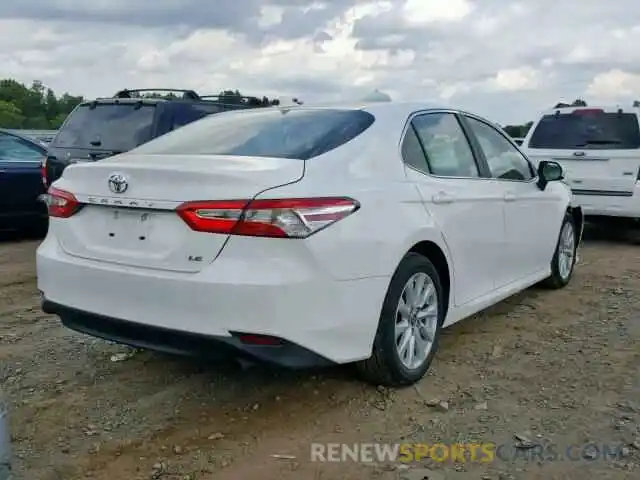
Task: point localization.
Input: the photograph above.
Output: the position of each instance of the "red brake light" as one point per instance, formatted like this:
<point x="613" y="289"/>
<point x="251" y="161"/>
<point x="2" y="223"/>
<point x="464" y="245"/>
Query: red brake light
<point x="280" y="218"/>
<point x="262" y="340"/>
<point x="60" y="204"/>
<point x="587" y="111"/>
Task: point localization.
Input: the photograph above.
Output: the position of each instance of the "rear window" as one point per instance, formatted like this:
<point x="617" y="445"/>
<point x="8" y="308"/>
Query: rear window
<point x="108" y="126"/>
<point x="587" y="130"/>
<point x="280" y="133"/>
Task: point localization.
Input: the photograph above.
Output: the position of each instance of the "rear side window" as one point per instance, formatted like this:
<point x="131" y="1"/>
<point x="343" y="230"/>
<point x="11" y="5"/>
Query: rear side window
<point x="280" y="133"/>
<point x="587" y="129"/>
<point x="191" y="112"/>
<point x="412" y="152"/>
<point x="108" y="126"/>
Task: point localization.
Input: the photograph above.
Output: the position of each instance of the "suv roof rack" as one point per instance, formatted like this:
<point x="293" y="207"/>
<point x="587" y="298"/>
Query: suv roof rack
<point x="248" y="100"/>
<point x="186" y="94"/>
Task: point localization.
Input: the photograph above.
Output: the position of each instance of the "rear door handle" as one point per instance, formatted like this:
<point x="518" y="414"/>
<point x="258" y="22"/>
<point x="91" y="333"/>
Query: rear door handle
<point x="509" y="197"/>
<point x="442" y="197"/>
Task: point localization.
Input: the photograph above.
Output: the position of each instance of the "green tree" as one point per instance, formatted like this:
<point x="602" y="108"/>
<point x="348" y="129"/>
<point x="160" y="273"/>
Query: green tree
<point x="33" y="107"/>
<point x="10" y="115"/>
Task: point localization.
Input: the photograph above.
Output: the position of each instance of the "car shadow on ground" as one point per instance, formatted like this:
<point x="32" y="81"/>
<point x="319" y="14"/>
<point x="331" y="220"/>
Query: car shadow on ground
<point x="611" y="234"/>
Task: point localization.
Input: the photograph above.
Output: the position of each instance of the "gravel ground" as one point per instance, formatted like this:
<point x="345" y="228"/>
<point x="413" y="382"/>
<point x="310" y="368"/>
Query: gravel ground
<point x="557" y="368"/>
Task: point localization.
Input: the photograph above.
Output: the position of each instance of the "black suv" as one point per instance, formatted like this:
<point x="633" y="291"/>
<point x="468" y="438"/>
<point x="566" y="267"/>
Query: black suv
<point x="107" y="126"/>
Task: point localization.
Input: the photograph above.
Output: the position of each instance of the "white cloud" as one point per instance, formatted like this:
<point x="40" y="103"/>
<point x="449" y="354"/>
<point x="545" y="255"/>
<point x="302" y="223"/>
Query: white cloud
<point x="515" y="79"/>
<point x="615" y="85"/>
<point x="427" y="11"/>
<point x="505" y="60"/>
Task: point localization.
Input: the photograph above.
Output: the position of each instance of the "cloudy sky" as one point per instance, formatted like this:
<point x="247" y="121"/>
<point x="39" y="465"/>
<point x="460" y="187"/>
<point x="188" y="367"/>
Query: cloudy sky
<point x="505" y="59"/>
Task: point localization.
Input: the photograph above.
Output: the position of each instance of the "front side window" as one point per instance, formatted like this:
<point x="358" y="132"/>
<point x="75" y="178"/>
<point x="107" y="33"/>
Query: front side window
<point x="504" y="160"/>
<point x="446" y="146"/>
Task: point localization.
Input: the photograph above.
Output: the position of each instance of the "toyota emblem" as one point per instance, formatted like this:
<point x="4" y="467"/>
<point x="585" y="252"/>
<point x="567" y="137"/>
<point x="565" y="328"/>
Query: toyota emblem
<point x="118" y="183"/>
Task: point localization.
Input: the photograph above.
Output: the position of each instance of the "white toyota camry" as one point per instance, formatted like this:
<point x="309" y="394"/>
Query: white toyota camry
<point x="306" y="236"/>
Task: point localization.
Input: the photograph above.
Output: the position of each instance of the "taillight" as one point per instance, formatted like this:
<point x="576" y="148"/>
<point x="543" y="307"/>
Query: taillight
<point x="60" y="204"/>
<point x="43" y="171"/>
<point x="280" y="218"/>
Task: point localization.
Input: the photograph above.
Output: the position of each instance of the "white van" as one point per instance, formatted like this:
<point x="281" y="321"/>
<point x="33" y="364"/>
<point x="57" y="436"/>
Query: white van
<point x="599" y="149"/>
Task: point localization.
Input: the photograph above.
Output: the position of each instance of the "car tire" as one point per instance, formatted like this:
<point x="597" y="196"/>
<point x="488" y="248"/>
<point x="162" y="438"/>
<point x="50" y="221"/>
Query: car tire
<point x="387" y="365"/>
<point x="567" y="245"/>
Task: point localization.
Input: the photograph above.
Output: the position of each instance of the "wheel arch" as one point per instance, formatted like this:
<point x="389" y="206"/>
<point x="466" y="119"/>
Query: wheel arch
<point x="436" y="255"/>
<point x="578" y="220"/>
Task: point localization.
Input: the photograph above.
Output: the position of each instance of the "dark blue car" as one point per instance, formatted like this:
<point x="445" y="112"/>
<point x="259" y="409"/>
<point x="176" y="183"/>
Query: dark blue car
<point x="21" y="183"/>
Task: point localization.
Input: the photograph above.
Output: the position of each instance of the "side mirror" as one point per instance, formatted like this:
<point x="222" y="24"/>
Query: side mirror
<point x="549" y="172"/>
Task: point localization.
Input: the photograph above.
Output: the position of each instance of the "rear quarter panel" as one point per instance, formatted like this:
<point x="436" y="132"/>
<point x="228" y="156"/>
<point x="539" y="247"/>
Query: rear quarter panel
<point x="391" y="218"/>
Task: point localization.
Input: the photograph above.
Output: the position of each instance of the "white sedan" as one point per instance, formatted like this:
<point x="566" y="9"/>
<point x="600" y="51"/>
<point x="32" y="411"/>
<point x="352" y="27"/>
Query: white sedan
<point x="306" y="236"/>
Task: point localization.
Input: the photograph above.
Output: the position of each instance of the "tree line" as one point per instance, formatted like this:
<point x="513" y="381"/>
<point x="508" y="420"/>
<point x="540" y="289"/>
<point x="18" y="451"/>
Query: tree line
<point x="33" y="107"/>
<point x="37" y="107"/>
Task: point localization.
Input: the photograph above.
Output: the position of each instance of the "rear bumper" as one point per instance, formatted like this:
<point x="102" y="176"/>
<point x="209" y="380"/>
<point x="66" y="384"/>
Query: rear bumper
<point x="603" y="204"/>
<point x="334" y="319"/>
<point x="177" y="342"/>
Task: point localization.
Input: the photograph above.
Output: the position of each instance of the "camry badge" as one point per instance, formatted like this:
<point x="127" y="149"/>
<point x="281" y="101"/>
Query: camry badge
<point x="118" y="183"/>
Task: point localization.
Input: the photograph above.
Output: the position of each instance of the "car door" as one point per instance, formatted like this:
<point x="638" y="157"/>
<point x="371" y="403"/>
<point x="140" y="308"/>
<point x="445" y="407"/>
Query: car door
<point x="533" y="217"/>
<point x="467" y="207"/>
<point x="20" y="177"/>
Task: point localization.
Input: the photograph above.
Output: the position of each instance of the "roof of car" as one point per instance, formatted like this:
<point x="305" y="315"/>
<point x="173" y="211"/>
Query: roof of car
<point x="604" y="108"/>
<point x="400" y="109"/>
<point x="393" y="109"/>
<point x="21" y="136"/>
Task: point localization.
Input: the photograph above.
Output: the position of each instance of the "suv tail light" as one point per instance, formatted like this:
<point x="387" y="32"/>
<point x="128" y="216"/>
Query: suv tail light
<point x="587" y="111"/>
<point x="60" y="204"/>
<point x="279" y="218"/>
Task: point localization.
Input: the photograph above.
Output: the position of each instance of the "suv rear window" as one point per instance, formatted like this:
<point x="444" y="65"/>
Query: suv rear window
<point x="280" y="133"/>
<point x="587" y="130"/>
<point x="115" y="127"/>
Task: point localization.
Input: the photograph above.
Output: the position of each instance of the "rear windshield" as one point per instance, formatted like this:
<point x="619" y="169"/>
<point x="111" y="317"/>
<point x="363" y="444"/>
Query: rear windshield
<point x="587" y="130"/>
<point x="280" y="133"/>
<point x="108" y="126"/>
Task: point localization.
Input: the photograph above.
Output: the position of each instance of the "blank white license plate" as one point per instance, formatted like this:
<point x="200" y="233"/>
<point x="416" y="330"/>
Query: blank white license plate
<point x="130" y="224"/>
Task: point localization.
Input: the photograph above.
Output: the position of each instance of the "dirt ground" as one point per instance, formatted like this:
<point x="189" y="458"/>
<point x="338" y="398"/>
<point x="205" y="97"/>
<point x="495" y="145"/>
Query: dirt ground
<point x="556" y="368"/>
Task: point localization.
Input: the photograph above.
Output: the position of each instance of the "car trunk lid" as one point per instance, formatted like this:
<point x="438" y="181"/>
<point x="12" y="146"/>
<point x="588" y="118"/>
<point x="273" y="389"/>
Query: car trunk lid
<point x="139" y="225"/>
